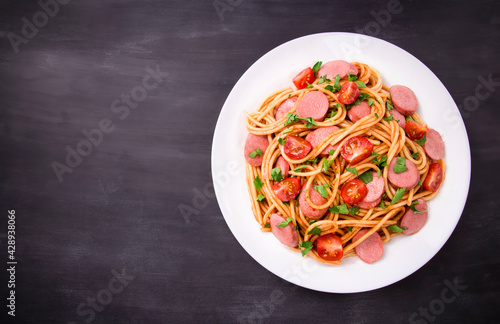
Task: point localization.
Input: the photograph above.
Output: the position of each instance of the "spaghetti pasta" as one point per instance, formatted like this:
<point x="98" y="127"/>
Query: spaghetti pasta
<point x="332" y="172"/>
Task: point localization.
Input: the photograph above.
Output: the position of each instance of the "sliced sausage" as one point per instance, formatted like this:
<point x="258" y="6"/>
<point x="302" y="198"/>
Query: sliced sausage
<point x="398" y="117"/>
<point x="359" y="111"/>
<point x="315" y="137"/>
<point x="403" y="99"/>
<point x="284" y="166"/>
<point x="375" y="191"/>
<point x="252" y="143"/>
<point x="368" y="205"/>
<point x="285" y="107"/>
<point x="434" y="146"/>
<point x="313" y="104"/>
<point x="332" y="68"/>
<point x="316" y="199"/>
<point x="371" y="249"/>
<point x="413" y="222"/>
<point x="286" y="235"/>
<point x="406" y="179"/>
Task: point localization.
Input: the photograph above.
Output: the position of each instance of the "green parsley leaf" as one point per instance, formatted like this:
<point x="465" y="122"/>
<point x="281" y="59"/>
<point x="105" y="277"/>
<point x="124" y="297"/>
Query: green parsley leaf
<point x="349" y="229"/>
<point x="321" y="190"/>
<point x="290" y="118"/>
<point x="389" y="105"/>
<point x="340" y="209"/>
<point x="282" y="140"/>
<point x="316" y="67"/>
<point x="326" y="164"/>
<point x="362" y="96"/>
<point x="312" y="221"/>
<point x="412" y="207"/>
<point x="260" y="198"/>
<point x="285" y="222"/>
<point x="352" y="170"/>
<point x="379" y="173"/>
<point x="382" y="205"/>
<point x="371" y="102"/>
<point x="307" y="245"/>
<point x="312" y="161"/>
<point x="297" y="169"/>
<point x="420" y="182"/>
<point x="400" y="165"/>
<point x="374" y="153"/>
<point x="399" y="194"/>
<point x="288" y="130"/>
<point x="309" y="86"/>
<point x="421" y="141"/>
<point x="336" y="84"/>
<point x="366" y="177"/>
<point x="329" y="88"/>
<point x="352" y="77"/>
<point x="257" y="151"/>
<point x="376" y="115"/>
<point x="315" y="231"/>
<point x="395" y="228"/>
<point x="360" y="84"/>
<point x="289" y="95"/>
<point x="296" y="227"/>
<point x="310" y="122"/>
<point x="276" y="174"/>
<point x="382" y="162"/>
<point x="286" y="203"/>
<point x="258" y="183"/>
<point x="409" y="118"/>
<point x="323" y="79"/>
<point x="415" y="155"/>
<point x="267" y="225"/>
<point x="331" y="152"/>
<point x="353" y="210"/>
<point x="389" y="118"/>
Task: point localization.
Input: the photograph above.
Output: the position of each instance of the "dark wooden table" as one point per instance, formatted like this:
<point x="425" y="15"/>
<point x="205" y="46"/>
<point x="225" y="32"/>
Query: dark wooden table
<point x="101" y="239"/>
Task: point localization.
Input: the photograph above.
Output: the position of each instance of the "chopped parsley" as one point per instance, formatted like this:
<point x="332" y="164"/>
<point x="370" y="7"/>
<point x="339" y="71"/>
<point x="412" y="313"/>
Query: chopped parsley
<point x="336" y="84"/>
<point x="282" y="140"/>
<point x="414" y="209"/>
<point x="315" y="231"/>
<point x="353" y="210"/>
<point x="326" y="164"/>
<point x="258" y="183"/>
<point x="260" y="198"/>
<point x="420" y="182"/>
<point x="331" y="152"/>
<point x="352" y="77"/>
<point x="388" y="118"/>
<point x="421" y="141"/>
<point x="396" y="228"/>
<point x="316" y="67"/>
<point x="329" y="88"/>
<point x="382" y="162"/>
<point x="389" y="105"/>
<point x="399" y="194"/>
<point x="285" y="222"/>
<point x="360" y="84"/>
<point x="322" y="190"/>
<point x="276" y="174"/>
<point x="415" y="155"/>
<point x="376" y="115"/>
<point x="323" y="79"/>
<point x="366" y="177"/>
<point x="400" y="166"/>
<point x="267" y="225"/>
<point x="352" y="170"/>
<point x="257" y="151"/>
<point x="307" y="245"/>
<point x="297" y="169"/>
<point x="340" y="209"/>
<point x="371" y="102"/>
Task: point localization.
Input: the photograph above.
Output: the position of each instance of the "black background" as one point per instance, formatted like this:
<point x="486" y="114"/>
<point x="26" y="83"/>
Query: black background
<point x="120" y="207"/>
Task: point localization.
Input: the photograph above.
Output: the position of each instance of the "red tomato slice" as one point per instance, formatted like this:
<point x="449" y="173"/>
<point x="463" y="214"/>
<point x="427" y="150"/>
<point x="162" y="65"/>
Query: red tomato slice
<point x="348" y="92"/>
<point x="356" y="149"/>
<point x="287" y="189"/>
<point x="303" y="78"/>
<point x="354" y="191"/>
<point x="296" y="147"/>
<point x="329" y="247"/>
<point x="415" y="131"/>
<point x="434" y="177"/>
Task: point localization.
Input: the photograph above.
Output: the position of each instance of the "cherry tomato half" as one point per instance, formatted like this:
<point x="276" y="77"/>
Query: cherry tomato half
<point x="296" y="147"/>
<point x="415" y="131"/>
<point x="354" y="191"/>
<point x="303" y="78"/>
<point x="287" y="189"/>
<point x="356" y="149"/>
<point x="348" y="92"/>
<point x="329" y="247"/>
<point x="434" y="177"/>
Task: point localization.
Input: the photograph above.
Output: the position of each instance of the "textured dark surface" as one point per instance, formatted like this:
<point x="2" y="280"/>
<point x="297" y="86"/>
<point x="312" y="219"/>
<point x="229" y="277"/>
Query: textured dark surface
<point x="119" y="207"/>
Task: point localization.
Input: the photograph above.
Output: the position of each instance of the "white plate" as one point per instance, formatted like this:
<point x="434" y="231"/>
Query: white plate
<point x="403" y="255"/>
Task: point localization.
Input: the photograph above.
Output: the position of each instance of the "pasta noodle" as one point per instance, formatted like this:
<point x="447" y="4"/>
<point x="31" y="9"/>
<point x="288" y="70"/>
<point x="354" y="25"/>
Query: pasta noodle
<point x="388" y="140"/>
